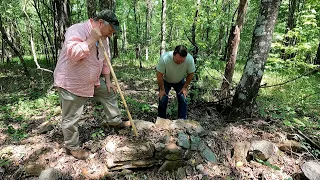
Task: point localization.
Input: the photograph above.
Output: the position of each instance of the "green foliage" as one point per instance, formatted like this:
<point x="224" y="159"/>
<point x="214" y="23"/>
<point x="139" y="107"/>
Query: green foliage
<point x="267" y="163"/>
<point x="4" y="162"/>
<point x="19" y="133"/>
<point x="98" y="134"/>
<point x="138" y="107"/>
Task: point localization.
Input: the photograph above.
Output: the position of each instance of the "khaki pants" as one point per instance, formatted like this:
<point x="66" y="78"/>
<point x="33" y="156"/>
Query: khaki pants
<point x="72" y="107"/>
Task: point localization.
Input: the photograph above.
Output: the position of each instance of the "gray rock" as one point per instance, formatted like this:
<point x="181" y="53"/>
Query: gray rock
<point x="170" y="152"/>
<point x="170" y="165"/>
<point x="159" y="146"/>
<point x="195" y="142"/>
<point x="209" y="155"/>
<point x="45" y="127"/>
<point x="202" y="146"/>
<point x="291" y="145"/>
<point x="183" y="140"/>
<point x="173" y="157"/>
<point x="50" y="174"/>
<point x="187" y="154"/>
<point x="143" y="125"/>
<point x="33" y="169"/>
<point x="163" y="123"/>
<point x="134" y="151"/>
<point x="200" y="167"/>
<point x="262" y="149"/>
<point x="191" y="126"/>
<point x="311" y="170"/>
<point x="181" y="173"/>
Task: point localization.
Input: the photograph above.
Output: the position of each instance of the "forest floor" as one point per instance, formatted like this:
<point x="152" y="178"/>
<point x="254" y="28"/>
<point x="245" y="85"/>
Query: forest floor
<point x="23" y="146"/>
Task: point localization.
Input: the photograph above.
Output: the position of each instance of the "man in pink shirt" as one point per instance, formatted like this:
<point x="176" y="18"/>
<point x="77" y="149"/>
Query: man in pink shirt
<point x="77" y="76"/>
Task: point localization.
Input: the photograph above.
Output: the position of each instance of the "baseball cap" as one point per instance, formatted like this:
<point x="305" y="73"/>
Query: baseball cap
<point x="110" y="17"/>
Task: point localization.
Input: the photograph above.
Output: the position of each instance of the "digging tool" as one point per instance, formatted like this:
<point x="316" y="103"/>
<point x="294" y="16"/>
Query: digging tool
<point x="118" y="87"/>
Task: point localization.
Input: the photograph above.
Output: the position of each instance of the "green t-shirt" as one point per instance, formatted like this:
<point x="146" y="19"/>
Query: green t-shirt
<point x="173" y="72"/>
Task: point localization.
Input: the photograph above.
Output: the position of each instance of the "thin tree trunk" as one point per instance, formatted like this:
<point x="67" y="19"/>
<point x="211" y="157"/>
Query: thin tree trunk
<point x="2" y="49"/>
<point x="45" y="29"/>
<point x="193" y="36"/>
<point x="291" y="24"/>
<point x="233" y="50"/>
<point x="61" y="22"/>
<point x="111" y="5"/>
<point x="163" y="27"/>
<point x="249" y="85"/>
<point x="137" y="31"/>
<point x="317" y="58"/>
<point x="14" y="48"/>
<point x="148" y="22"/>
<point x="91" y="8"/>
<point x="124" y="34"/>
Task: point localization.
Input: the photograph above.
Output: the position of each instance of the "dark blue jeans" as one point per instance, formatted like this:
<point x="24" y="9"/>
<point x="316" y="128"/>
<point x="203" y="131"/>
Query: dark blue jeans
<point x="182" y="102"/>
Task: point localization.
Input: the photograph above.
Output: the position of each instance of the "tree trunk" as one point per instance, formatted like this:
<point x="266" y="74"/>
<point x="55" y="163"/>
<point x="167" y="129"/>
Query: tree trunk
<point x="248" y="87"/>
<point x="13" y="47"/>
<point x="111" y="4"/>
<point x="124" y="38"/>
<point x="137" y="30"/>
<point x="195" y="50"/>
<point x="91" y="8"/>
<point x="36" y="6"/>
<point x="193" y="36"/>
<point x="2" y="49"/>
<point x="107" y="4"/>
<point x="233" y="49"/>
<point x="317" y="58"/>
<point x="291" y="24"/>
<point x="148" y="22"/>
<point x="163" y="27"/>
<point x="61" y="23"/>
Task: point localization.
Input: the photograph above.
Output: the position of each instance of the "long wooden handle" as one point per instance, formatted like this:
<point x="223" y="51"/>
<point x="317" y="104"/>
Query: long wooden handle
<point x="118" y="87"/>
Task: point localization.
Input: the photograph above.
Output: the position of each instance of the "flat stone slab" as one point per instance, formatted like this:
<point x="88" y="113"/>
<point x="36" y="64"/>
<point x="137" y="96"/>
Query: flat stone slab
<point x="134" y="151"/>
<point x="311" y="170"/>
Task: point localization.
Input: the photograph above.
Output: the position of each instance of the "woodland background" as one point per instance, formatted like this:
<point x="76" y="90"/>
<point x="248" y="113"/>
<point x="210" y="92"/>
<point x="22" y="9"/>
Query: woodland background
<point x="254" y="59"/>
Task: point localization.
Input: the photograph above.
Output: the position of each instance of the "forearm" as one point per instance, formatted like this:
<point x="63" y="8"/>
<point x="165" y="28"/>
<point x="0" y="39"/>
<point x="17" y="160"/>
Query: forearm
<point x="188" y="80"/>
<point x="107" y="78"/>
<point x="91" y="42"/>
<point x="160" y="80"/>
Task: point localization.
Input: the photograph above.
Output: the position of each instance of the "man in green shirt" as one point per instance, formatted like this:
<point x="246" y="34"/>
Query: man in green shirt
<point x="171" y="71"/>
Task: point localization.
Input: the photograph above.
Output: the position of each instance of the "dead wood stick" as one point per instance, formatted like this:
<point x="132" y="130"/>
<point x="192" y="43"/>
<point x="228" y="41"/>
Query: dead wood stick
<point x="309" y="140"/>
<point x="118" y="87"/>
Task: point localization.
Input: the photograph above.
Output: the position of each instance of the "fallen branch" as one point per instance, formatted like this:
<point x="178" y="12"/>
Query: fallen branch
<point x="280" y="84"/>
<point x="32" y="43"/>
<point x="308" y="140"/>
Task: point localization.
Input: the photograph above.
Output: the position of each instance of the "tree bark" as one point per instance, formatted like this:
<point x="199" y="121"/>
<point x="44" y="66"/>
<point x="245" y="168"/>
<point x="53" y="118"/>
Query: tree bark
<point x="248" y="87"/>
<point x="193" y="36"/>
<point x="124" y="38"/>
<point x="291" y="24"/>
<point x="148" y="27"/>
<point x="163" y="27"/>
<point x="233" y="50"/>
<point x="137" y="30"/>
<point x="111" y="5"/>
<point x="36" y="6"/>
<point x="107" y="4"/>
<point x="61" y="22"/>
<point x="317" y="58"/>
<point x="91" y="8"/>
<point x="14" y="48"/>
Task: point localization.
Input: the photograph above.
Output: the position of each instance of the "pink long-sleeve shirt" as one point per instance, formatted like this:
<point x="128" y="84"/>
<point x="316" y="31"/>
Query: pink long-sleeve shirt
<point x="78" y="68"/>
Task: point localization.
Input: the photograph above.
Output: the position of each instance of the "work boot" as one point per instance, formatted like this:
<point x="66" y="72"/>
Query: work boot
<point x="79" y="153"/>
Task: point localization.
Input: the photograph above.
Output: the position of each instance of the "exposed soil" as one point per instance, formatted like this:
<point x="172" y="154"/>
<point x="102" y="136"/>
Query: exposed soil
<point x="46" y="150"/>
